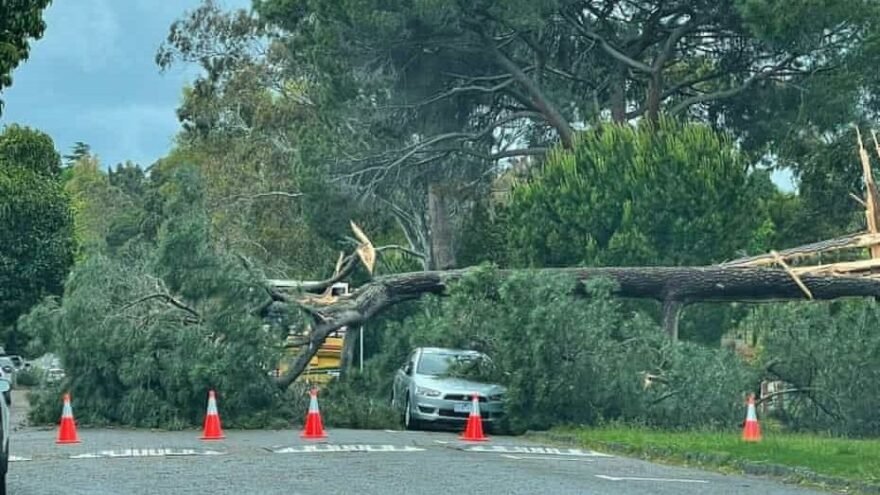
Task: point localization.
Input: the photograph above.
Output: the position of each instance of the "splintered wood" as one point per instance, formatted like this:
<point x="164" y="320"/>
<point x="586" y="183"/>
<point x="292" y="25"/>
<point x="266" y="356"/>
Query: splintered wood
<point x="794" y="275"/>
<point x="868" y="268"/>
<point x="870" y="190"/>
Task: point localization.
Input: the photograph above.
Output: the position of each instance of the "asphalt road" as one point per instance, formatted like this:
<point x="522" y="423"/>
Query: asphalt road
<point x="111" y="461"/>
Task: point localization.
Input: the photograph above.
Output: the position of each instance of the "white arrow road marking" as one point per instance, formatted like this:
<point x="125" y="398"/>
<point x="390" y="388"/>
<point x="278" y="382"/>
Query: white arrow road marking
<point x="545" y="458"/>
<point x="144" y="453"/>
<point x="318" y="449"/>
<point x="500" y="449"/>
<point x="635" y="478"/>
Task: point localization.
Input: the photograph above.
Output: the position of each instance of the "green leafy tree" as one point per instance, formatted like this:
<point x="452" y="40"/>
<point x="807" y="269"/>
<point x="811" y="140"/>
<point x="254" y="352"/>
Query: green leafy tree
<point x="144" y="334"/>
<point x="36" y="228"/>
<point x="827" y="356"/>
<point x="20" y="22"/>
<point x="97" y="204"/>
<point x="677" y="194"/>
<point x="29" y="148"/>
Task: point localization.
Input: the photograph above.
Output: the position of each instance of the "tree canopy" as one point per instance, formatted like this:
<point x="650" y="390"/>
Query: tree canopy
<point x="35" y="226"/>
<point x="20" y="22"/>
<point x="661" y="194"/>
<point x="590" y="149"/>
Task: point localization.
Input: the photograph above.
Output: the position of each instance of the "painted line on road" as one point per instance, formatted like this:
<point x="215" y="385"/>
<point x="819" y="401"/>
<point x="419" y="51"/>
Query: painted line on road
<point x="15" y="458"/>
<point x="636" y="478"/>
<point x="331" y="448"/>
<point x="163" y="452"/>
<point x="501" y="449"/>
<point x="545" y="458"/>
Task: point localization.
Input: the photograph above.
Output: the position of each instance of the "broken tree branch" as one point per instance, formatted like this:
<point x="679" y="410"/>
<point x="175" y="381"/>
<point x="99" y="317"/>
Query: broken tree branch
<point x="860" y="240"/>
<point x="669" y="285"/>
<point x="168" y="299"/>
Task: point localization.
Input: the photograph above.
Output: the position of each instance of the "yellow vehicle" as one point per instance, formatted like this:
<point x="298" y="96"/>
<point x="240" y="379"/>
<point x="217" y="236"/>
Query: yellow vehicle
<point x="326" y="364"/>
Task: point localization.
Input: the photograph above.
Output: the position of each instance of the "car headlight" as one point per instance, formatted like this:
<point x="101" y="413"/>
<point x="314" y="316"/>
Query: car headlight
<point x="427" y="392"/>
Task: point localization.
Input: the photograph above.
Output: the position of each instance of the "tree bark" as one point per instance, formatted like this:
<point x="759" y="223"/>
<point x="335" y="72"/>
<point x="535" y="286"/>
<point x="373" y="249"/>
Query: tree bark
<point x="618" y="95"/>
<point x="441" y="231"/>
<point x="653" y="97"/>
<point x="672" y="286"/>
<point x="349" y="344"/>
<point x="671" y="317"/>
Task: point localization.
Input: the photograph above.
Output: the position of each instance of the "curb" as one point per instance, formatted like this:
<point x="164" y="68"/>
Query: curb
<point x="786" y="474"/>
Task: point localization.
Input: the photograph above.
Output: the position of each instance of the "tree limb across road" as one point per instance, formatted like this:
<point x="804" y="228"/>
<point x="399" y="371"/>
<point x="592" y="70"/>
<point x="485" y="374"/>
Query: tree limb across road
<point x="674" y="287"/>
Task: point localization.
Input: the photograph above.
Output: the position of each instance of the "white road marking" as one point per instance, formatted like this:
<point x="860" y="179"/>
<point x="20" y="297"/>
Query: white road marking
<point x="545" y="458"/>
<point x="500" y="449"/>
<point x="318" y="449"/>
<point x="442" y="442"/>
<point x="635" y="478"/>
<point x="15" y="458"/>
<point x="163" y="452"/>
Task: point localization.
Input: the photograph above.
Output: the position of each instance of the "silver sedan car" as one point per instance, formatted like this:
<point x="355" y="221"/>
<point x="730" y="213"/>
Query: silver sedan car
<point x="424" y="393"/>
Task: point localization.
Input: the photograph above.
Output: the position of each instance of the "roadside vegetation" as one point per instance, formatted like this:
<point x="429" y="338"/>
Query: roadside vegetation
<point x="809" y="458"/>
<point x="467" y="134"/>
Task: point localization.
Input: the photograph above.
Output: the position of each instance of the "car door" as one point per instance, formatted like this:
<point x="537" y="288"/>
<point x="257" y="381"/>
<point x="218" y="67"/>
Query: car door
<point x="402" y="379"/>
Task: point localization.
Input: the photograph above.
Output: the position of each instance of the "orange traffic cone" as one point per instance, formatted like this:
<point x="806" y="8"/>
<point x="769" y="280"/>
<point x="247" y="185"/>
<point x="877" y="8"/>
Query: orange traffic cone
<point x="212" y="430"/>
<point x="751" y="428"/>
<point x="67" y="430"/>
<point x="473" y="432"/>
<point x="314" y="426"/>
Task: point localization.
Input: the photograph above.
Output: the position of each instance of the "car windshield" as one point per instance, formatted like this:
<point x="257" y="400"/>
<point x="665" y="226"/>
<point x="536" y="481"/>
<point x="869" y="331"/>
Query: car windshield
<point x="435" y="364"/>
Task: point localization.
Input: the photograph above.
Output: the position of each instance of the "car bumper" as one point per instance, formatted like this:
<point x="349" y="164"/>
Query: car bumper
<point x="427" y="409"/>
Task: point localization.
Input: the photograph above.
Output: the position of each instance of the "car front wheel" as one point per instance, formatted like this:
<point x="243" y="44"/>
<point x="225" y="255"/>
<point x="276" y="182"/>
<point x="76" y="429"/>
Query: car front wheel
<point x="409" y="422"/>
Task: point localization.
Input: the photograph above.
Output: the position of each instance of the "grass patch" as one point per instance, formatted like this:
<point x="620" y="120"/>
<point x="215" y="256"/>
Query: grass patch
<point x="829" y="459"/>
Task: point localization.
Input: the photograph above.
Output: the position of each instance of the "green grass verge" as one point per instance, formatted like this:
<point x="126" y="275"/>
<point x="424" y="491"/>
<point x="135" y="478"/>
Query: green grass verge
<point x="803" y="458"/>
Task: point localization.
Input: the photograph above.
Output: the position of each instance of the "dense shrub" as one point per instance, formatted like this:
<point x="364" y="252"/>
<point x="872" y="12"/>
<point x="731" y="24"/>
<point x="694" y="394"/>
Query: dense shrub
<point x="568" y="359"/>
<point x="830" y="354"/>
<point x="144" y="335"/>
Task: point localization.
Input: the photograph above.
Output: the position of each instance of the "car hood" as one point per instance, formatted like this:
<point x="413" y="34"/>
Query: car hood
<point x="449" y="385"/>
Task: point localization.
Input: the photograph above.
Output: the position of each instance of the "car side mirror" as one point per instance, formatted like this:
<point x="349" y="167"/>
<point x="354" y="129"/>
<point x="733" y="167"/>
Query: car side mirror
<point x="5" y="386"/>
<point x="408" y="368"/>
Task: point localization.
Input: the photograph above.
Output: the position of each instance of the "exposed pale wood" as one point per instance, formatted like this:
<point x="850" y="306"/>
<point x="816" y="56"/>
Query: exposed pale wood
<point x="860" y="240"/>
<point x="365" y="250"/>
<point x="859" y="200"/>
<point x="846" y="267"/>
<point x="870" y="192"/>
<point x="794" y="276"/>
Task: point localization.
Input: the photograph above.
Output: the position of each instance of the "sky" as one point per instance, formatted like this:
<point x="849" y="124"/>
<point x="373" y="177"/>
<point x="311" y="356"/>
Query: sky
<point x="92" y="78"/>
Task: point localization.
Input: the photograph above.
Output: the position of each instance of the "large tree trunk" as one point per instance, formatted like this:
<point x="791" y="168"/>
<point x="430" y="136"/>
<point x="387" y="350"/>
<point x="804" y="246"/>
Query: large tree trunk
<point x="618" y="95"/>
<point x="441" y="231"/>
<point x="653" y="97"/>
<point x="349" y="346"/>
<point x="672" y="286"/>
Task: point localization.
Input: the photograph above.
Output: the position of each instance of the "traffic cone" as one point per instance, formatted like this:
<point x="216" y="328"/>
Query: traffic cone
<point x="212" y="430"/>
<point x="473" y="432"/>
<point x="751" y="428"/>
<point x="314" y="428"/>
<point x="67" y="430"/>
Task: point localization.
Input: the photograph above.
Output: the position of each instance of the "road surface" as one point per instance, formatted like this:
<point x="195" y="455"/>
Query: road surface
<point x="111" y="461"/>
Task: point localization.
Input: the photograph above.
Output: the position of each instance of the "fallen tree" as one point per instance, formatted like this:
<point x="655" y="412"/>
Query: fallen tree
<point x="674" y="287"/>
<point x="750" y="279"/>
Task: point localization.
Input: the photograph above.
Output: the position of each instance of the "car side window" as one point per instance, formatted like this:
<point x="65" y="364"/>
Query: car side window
<point x="410" y="364"/>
